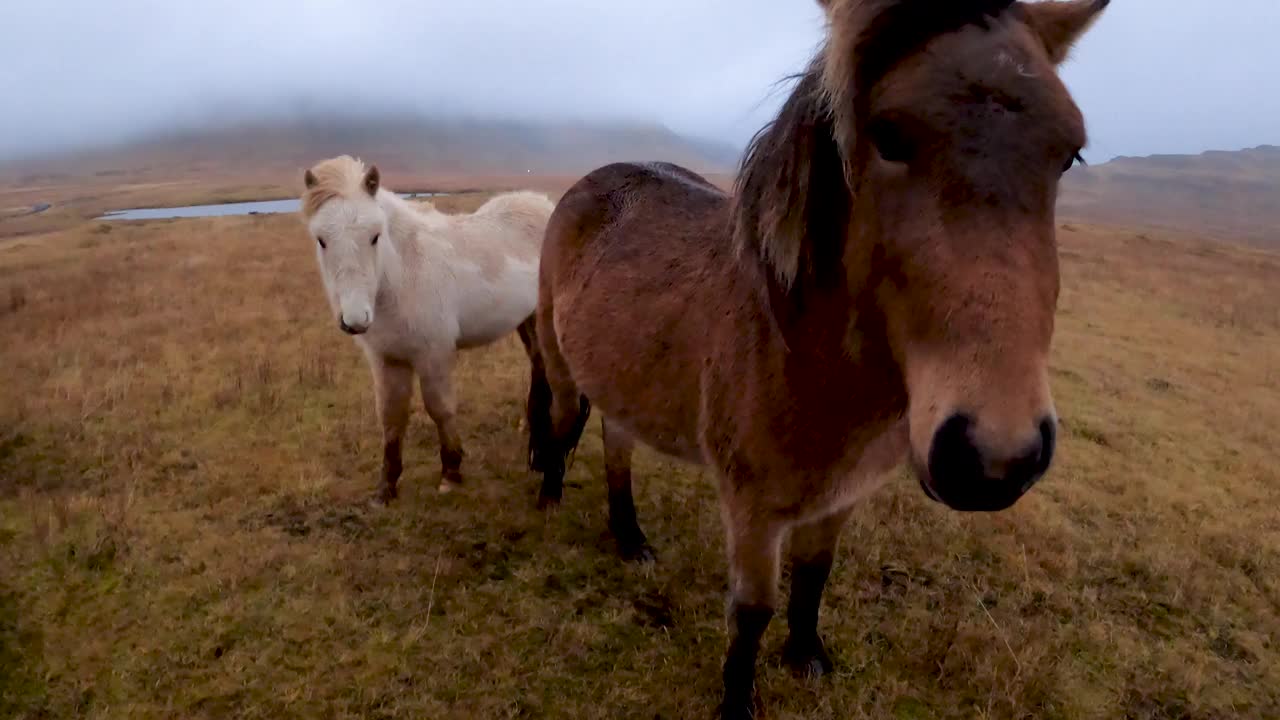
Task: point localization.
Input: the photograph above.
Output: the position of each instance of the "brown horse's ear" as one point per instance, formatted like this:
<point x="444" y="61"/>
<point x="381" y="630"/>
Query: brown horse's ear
<point x="372" y="180"/>
<point x="310" y="179"/>
<point x="1060" y="24"/>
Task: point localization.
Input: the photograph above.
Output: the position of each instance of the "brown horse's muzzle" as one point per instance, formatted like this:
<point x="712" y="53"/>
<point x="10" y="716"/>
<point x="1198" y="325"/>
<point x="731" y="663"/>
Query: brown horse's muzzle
<point x="965" y="476"/>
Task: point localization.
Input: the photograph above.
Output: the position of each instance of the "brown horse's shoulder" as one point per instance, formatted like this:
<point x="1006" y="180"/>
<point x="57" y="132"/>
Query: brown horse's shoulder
<point x="680" y="174"/>
<point x="654" y="201"/>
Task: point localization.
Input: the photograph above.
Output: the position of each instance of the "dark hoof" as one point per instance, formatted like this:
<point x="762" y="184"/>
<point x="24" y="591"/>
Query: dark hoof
<point x="641" y="553"/>
<point x="808" y="658"/>
<point x="550" y="493"/>
<point x="385" y="498"/>
<point x="450" y="480"/>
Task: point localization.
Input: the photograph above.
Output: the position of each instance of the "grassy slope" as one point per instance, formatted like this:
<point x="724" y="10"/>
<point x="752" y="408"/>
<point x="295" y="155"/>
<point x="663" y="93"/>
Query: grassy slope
<point x="186" y="444"/>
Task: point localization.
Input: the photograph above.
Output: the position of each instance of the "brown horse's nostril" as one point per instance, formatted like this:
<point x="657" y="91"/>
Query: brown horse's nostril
<point x="965" y="477"/>
<point x="1042" y="457"/>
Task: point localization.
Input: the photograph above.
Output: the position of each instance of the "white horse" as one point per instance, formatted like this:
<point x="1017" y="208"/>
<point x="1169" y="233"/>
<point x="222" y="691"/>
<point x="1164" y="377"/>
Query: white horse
<point x="414" y="285"/>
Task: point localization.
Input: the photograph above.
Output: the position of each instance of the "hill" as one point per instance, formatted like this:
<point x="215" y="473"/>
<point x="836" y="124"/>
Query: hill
<point x="265" y="161"/>
<point x="1229" y="195"/>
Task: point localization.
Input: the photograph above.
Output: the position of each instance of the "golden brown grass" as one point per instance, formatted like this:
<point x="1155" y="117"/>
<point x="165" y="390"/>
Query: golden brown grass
<point x="186" y="444"/>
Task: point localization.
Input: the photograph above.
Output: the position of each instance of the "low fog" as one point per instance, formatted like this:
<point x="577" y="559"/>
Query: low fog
<point x="1153" y="76"/>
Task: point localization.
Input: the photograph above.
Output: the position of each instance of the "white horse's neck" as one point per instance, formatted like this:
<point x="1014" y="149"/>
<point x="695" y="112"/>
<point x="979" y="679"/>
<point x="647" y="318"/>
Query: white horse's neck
<point x="415" y="236"/>
<point x="405" y="222"/>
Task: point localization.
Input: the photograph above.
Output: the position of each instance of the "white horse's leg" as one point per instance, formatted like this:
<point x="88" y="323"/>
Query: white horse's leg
<point x="393" y="385"/>
<point x="436" y="376"/>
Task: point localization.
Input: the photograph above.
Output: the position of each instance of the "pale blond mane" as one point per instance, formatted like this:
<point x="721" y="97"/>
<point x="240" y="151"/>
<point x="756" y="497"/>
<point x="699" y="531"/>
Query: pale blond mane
<point x="336" y="177"/>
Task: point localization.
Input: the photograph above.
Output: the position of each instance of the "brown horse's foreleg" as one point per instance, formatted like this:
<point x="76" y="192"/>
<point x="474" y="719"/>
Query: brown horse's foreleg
<point x="618" y="447"/>
<point x="812" y="551"/>
<point x="436" y="377"/>
<point x="393" y="386"/>
<point x="753" y="574"/>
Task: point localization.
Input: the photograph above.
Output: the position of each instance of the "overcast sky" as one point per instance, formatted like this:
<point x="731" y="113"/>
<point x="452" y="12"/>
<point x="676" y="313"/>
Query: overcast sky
<point x="1153" y="76"/>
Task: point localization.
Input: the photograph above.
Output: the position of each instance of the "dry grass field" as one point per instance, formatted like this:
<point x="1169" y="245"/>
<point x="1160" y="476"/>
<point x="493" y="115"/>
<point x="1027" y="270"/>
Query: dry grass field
<point x="187" y="444"/>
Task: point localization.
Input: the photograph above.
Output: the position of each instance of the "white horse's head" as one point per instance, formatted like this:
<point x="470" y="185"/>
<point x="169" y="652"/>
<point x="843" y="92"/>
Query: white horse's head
<point x="342" y="213"/>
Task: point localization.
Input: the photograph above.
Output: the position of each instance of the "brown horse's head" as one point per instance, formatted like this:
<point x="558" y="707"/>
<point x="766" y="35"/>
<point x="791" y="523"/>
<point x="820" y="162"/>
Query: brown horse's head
<point x="951" y="130"/>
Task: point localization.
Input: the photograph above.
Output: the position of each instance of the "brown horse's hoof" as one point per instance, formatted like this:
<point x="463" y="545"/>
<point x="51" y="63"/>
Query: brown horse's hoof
<point x="385" y="497"/>
<point x="740" y="709"/>
<point x="642" y="553"/>
<point x="450" y="481"/>
<point x="807" y="658"/>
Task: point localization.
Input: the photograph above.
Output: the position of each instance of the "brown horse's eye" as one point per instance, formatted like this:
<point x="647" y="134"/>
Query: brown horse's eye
<point x="321" y="241"/>
<point x="374" y="241"/>
<point x="890" y="141"/>
<point x="1076" y="157"/>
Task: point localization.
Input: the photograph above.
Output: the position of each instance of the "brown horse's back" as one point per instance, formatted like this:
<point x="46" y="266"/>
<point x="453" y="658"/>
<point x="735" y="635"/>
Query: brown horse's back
<point x="645" y="246"/>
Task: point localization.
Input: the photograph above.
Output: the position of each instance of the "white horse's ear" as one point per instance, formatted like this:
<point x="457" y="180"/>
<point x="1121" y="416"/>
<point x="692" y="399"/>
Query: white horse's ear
<point x="310" y="179"/>
<point x="372" y="180"/>
<point x="1060" y="24"/>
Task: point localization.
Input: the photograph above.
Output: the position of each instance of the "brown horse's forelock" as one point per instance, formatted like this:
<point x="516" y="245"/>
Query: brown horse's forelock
<point x="793" y="201"/>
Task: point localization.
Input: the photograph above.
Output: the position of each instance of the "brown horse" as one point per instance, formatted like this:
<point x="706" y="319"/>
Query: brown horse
<point x="880" y="287"/>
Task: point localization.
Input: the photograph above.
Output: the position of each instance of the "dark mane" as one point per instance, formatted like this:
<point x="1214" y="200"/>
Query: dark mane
<point x="793" y="197"/>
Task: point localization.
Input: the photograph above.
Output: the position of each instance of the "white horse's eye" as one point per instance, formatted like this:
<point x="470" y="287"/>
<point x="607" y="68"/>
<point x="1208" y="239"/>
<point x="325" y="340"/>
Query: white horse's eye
<point x="374" y="241"/>
<point x="321" y="241"/>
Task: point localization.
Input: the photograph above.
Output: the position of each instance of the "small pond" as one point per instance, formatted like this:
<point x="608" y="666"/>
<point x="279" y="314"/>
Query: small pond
<point x="261" y="207"/>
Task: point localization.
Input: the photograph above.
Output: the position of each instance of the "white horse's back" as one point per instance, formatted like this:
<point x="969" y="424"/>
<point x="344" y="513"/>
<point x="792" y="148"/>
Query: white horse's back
<point x="494" y="258"/>
<point x="524" y="214"/>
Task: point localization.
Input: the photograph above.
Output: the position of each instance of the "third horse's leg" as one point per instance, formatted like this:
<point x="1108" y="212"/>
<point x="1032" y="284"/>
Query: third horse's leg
<point x="537" y="408"/>
<point x="557" y="426"/>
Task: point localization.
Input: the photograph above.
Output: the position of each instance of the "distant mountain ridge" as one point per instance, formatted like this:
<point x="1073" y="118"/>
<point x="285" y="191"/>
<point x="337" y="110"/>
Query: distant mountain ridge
<point x="1234" y="195"/>
<point x="405" y="145"/>
<point x="1231" y="194"/>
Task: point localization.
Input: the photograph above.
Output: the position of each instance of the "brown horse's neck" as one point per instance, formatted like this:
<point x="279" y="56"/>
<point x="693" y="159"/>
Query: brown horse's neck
<point x="820" y="358"/>
<point x="796" y="222"/>
<point x="832" y="328"/>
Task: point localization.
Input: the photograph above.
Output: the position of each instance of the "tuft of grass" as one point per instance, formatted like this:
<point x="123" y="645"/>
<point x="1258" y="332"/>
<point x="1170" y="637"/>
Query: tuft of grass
<point x="23" y="693"/>
<point x="16" y="300"/>
<point x="187" y="447"/>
